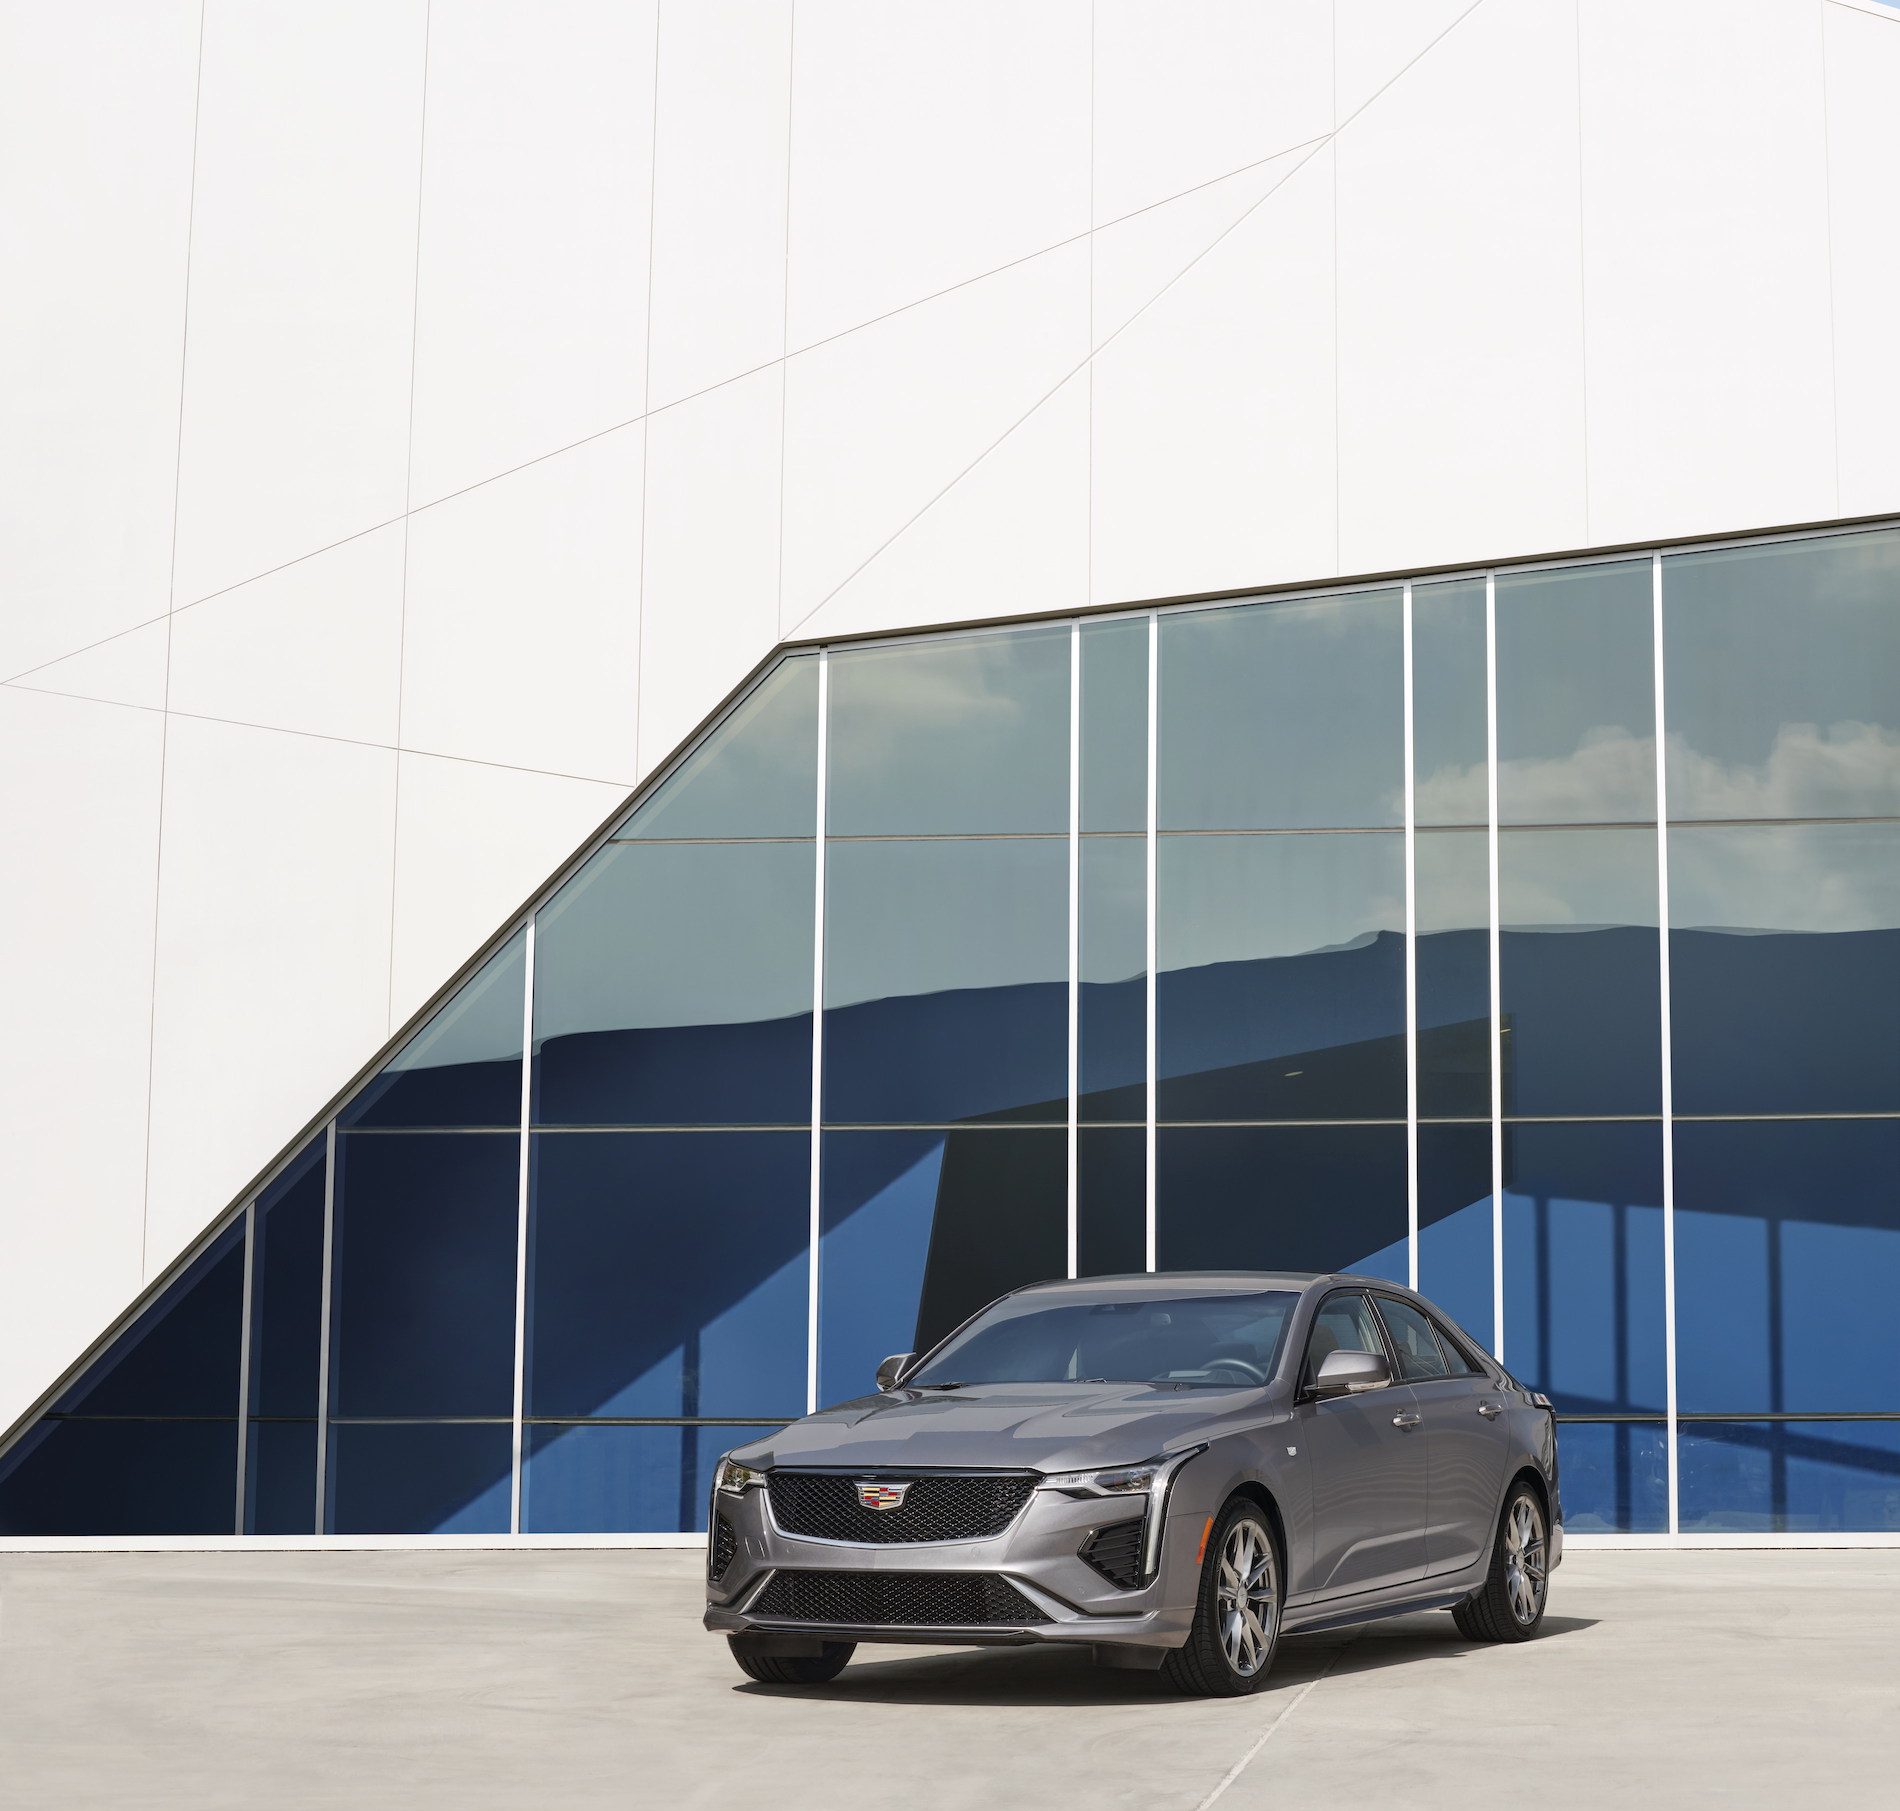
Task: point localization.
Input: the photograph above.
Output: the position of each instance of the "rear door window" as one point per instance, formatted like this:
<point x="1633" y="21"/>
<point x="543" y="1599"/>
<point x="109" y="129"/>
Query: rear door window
<point x="1412" y="1337"/>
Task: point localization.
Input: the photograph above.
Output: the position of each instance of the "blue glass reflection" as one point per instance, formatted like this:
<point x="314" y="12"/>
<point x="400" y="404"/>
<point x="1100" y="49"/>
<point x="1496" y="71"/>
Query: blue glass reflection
<point x="1583" y="1264"/>
<point x="1449" y="764"/>
<point x="1112" y="1003"/>
<point x="1614" y="1476"/>
<point x="1111" y="1200"/>
<point x="1789" y="1477"/>
<point x="581" y="1479"/>
<point x="105" y="1477"/>
<point x="280" y="1477"/>
<point x="1454" y="1225"/>
<point x="419" y="1477"/>
<point x="1452" y="913"/>
<point x="669" y="1273"/>
<point x="1114" y="741"/>
<point x="287" y="1287"/>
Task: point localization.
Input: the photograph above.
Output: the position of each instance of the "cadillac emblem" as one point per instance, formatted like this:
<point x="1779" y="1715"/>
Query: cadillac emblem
<point x="883" y="1496"/>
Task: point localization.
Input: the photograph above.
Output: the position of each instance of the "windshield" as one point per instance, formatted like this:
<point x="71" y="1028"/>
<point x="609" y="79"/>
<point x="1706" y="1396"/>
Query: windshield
<point x="1217" y="1341"/>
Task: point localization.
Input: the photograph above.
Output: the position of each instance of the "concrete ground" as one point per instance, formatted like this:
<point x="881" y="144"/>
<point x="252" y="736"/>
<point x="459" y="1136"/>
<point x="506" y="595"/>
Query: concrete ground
<point x="471" y="1680"/>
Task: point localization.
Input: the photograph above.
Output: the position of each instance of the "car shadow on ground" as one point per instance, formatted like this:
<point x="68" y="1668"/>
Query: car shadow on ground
<point x="1050" y="1676"/>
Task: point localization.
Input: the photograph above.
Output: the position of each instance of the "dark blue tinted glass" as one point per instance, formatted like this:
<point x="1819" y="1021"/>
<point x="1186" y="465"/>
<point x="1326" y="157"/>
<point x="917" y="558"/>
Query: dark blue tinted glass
<point x="1115" y="725"/>
<point x="1583" y="1264"/>
<point x="1579" y="962"/>
<point x="280" y="1477"/>
<point x="946" y="981"/>
<point x="1784" y="968"/>
<point x="1789" y="1477"/>
<point x="1449" y="781"/>
<point x="1111" y="1200"/>
<point x="967" y="735"/>
<point x="1283" y="716"/>
<point x="669" y="1273"/>
<point x="1281" y="1198"/>
<point x="921" y="1229"/>
<point x="105" y="1477"/>
<point x="1614" y="1476"/>
<point x="1112" y="1010"/>
<point x="287" y="1288"/>
<point x="672" y="986"/>
<point x="582" y="1479"/>
<point x="463" y="1068"/>
<point x="419" y="1477"/>
<point x="1454" y="1224"/>
<point x="1781" y="664"/>
<point x="422" y="1274"/>
<point x="1452" y="904"/>
<point x="755" y="775"/>
<point x="1576" y="695"/>
<point x="1282" y="977"/>
<point x="1787" y="1266"/>
<point x="180" y="1357"/>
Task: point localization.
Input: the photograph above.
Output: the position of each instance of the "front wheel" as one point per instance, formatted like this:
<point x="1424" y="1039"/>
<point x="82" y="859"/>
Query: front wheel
<point x="791" y="1669"/>
<point x="1509" y="1606"/>
<point x="1237" y="1612"/>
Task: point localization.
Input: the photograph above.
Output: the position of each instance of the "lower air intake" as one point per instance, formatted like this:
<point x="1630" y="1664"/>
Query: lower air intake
<point x="896" y="1600"/>
<point x="725" y="1543"/>
<point x="1116" y="1552"/>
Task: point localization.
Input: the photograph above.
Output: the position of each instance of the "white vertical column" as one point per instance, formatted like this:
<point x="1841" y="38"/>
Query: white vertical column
<point x="1411" y="961"/>
<point x="817" y="1031"/>
<point x="1668" y="1089"/>
<point x="1075" y="926"/>
<point x="1154" y="720"/>
<point x="1497" y="998"/>
<point x="244" y="1365"/>
<point x="521" y="1222"/>
<point x="323" y="1324"/>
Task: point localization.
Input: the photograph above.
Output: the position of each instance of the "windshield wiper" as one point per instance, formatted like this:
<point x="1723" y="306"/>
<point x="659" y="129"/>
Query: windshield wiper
<point x="936" y="1386"/>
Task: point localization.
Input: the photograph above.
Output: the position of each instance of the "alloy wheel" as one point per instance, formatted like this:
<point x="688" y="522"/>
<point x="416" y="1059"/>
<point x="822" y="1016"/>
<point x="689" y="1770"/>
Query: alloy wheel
<point x="1247" y="1599"/>
<point x="1524" y="1560"/>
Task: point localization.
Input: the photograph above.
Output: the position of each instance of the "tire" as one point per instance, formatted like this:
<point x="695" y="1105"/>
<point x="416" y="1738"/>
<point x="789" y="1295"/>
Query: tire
<point x="1224" y="1657"/>
<point x="793" y="1669"/>
<point x="1509" y="1605"/>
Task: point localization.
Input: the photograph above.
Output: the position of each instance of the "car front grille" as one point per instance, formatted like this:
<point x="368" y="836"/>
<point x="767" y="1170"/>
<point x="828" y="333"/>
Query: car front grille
<point x="725" y="1543"/>
<point x="896" y="1600"/>
<point x="1115" y="1552"/>
<point x="937" y="1506"/>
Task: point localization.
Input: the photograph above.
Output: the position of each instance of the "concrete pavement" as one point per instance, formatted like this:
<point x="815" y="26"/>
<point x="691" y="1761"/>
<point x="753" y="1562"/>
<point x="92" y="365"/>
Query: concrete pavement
<point x="576" y="1679"/>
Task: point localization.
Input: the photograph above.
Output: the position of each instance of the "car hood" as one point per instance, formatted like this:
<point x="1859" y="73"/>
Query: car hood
<point x="1042" y="1426"/>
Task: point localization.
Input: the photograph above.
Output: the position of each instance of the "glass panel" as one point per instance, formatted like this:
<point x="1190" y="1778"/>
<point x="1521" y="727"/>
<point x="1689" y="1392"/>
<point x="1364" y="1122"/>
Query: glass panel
<point x="1449" y="780"/>
<point x="669" y="1273"/>
<point x="180" y="1357"/>
<point x="1583" y="1265"/>
<point x="1614" y="1476"/>
<point x="1784" y="968"/>
<point x="1454" y="1225"/>
<point x="1578" y="971"/>
<point x="1576" y="696"/>
<point x="1115" y="725"/>
<point x="1789" y="1477"/>
<point x="1282" y="985"/>
<point x="1787" y="1266"/>
<point x="1412" y="1336"/>
<point x="280" y="1483"/>
<point x="921" y="1229"/>
<point x="672" y="986"/>
<point x="1111" y="1206"/>
<point x="422" y="1274"/>
<point x="1113" y="1007"/>
<point x="1281" y="1198"/>
<point x="104" y="1477"/>
<point x="463" y="1068"/>
<point x="287" y="1289"/>
<point x="1283" y="716"/>
<point x="946" y="981"/>
<point x="1452" y="904"/>
<point x="755" y="775"/>
<point x="964" y="735"/>
<point x="581" y="1479"/>
<point x="1780" y="664"/>
<point x="419" y="1477"/>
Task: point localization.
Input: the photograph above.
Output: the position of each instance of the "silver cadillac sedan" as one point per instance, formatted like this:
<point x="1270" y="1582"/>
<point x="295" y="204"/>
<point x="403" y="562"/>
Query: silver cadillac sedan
<point x="1172" y="1470"/>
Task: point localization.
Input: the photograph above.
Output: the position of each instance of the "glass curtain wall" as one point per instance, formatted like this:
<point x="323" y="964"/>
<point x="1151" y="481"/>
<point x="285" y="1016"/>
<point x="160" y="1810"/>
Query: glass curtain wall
<point x="1531" y="935"/>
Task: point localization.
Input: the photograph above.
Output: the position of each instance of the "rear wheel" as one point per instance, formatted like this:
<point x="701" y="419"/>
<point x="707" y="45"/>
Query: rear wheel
<point x="1236" y="1613"/>
<point x="1509" y="1606"/>
<point x="792" y="1669"/>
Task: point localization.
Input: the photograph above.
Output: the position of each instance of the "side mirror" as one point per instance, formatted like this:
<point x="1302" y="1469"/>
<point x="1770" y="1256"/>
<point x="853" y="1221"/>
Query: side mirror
<point x="1347" y="1373"/>
<point x="892" y="1369"/>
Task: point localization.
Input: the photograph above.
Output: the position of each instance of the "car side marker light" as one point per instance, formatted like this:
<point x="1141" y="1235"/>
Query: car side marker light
<point x="1200" y="1552"/>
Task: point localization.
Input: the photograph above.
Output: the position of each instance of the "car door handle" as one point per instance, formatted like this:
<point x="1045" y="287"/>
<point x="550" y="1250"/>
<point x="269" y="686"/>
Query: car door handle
<point x="1405" y="1418"/>
<point x="1490" y="1410"/>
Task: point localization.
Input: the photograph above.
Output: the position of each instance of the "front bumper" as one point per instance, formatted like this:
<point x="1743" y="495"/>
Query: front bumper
<point x="1038" y="1554"/>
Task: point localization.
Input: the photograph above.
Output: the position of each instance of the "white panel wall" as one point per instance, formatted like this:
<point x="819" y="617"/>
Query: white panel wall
<point x="941" y="313"/>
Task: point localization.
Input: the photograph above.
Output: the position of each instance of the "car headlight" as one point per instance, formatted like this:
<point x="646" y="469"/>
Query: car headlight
<point x="735" y="1479"/>
<point x="1151" y="1479"/>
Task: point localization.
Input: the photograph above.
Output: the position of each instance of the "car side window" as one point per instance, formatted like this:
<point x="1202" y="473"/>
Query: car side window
<point x="1344" y="1323"/>
<point x="1412" y="1336"/>
<point x="1461" y="1362"/>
